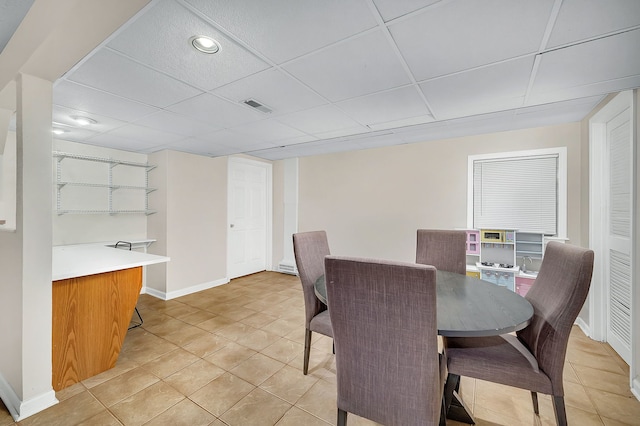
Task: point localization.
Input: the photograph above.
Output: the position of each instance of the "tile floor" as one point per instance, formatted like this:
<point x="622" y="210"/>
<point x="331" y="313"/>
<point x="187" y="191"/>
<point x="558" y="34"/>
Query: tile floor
<point x="230" y="356"/>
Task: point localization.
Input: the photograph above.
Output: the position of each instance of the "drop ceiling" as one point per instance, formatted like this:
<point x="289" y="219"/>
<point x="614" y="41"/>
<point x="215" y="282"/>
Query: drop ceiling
<point x="346" y="74"/>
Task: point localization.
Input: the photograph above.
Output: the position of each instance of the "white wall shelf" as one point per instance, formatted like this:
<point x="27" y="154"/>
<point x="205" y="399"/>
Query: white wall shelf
<point x="103" y="181"/>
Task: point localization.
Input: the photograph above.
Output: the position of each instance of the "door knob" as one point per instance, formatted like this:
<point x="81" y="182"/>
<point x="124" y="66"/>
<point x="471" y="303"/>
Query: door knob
<point x="231" y="225"/>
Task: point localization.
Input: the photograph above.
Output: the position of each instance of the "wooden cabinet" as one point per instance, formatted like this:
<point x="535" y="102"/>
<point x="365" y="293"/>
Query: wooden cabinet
<point x="91" y="315"/>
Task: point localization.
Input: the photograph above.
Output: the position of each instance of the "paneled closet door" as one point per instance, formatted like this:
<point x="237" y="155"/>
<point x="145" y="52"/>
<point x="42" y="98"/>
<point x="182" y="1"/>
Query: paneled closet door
<point x="618" y="263"/>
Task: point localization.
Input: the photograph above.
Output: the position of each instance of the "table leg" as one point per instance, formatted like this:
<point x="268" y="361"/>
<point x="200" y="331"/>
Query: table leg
<point x="454" y="405"/>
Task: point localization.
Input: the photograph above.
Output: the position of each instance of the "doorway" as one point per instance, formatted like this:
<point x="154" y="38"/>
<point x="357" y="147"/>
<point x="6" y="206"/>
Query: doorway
<point x="248" y="217"/>
<point x="611" y="228"/>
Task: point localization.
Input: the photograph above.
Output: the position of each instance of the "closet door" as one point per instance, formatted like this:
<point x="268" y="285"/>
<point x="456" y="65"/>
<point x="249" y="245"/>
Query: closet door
<point x="619" y="219"/>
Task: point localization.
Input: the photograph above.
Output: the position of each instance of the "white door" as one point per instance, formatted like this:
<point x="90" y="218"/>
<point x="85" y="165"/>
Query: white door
<point x="247" y="217"/>
<point x="618" y="241"/>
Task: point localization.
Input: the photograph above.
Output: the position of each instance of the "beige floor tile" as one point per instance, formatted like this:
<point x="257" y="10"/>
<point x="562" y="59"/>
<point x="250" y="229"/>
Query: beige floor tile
<point x="487" y="417"/>
<point x="146" y="404"/>
<point x="258" y="339"/>
<point x="610" y="422"/>
<point x="206" y="344"/>
<point x="215" y="323"/>
<point x="221" y="394"/>
<point x="576" y="396"/>
<point x="123" y="386"/>
<point x="616" y="407"/>
<point x="186" y="335"/>
<point x="258" y="320"/>
<point x="167" y="364"/>
<point x="575" y="416"/>
<point x="257" y="368"/>
<point x="148" y="350"/>
<point x="105" y="418"/>
<point x="594" y="360"/>
<point x="514" y="402"/>
<point x="258" y="408"/>
<point x="320" y="401"/>
<point x="235" y="331"/>
<point x="282" y="327"/>
<point x="297" y="417"/>
<point x="604" y="380"/>
<point x="71" y="411"/>
<point x="184" y="413"/>
<point x="193" y="377"/>
<point x="230" y="355"/>
<point x="288" y="384"/>
<point x="235" y="313"/>
<point x="283" y="350"/>
<point x="163" y="327"/>
<point x="197" y="317"/>
<point x="123" y="365"/>
<point x="70" y="391"/>
<point x="5" y="415"/>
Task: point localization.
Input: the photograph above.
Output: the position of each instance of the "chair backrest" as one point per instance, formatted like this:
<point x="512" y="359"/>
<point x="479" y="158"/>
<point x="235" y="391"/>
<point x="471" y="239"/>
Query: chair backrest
<point x="309" y="249"/>
<point x="557" y="296"/>
<point x="385" y="334"/>
<point x="444" y="249"/>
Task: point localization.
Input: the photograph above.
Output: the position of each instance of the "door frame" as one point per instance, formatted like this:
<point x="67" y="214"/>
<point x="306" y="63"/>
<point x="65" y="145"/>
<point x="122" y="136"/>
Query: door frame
<point x="598" y="205"/>
<point x="268" y="207"/>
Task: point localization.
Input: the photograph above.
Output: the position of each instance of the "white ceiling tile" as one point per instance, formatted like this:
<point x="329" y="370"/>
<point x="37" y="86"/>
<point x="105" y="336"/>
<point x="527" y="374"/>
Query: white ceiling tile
<point x="109" y="71"/>
<point x="82" y="98"/>
<point x="274" y="89"/>
<point x="103" y="124"/>
<point x="74" y="134"/>
<point x="283" y="29"/>
<point x="12" y="12"/>
<point x="492" y="88"/>
<point x="319" y="120"/>
<point x="592" y="65"/>
<point x="217" y="112"/>
<point x="202" y="147"/>
<point x="391" y="9"/>
<point x="393" y="105"/>
<point x="357" y="67"/>
<point x="268" y="130"/>
<point x="544" y="109"/>
<point x="583" y="19"/>
<point x="231" y="139"/>
<point x="172" y="53"/>
<point x="117" y="142"/>
<point x="406" y="122"/>
<point x="460" y="35"/>
<point x="144" y="134"/>
<point x="175" y="123"/>
<point x="340" y="133"/>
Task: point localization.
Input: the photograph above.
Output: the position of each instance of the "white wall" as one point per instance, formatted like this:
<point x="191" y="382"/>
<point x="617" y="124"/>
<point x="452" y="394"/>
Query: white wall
<point x="80" y="228"/>
<point x="371" y="202"/>
<point x="191" y="227"/>
<point x="25" y="261"/>
<point x="8" y="184"/>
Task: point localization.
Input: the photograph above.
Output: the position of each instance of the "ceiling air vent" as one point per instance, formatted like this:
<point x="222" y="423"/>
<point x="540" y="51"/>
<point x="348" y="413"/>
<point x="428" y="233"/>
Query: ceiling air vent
<point x="257" y="105"/>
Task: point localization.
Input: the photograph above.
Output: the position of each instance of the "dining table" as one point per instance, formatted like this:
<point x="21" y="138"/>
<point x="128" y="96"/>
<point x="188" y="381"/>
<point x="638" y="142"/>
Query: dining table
<point x="469" y="307"/>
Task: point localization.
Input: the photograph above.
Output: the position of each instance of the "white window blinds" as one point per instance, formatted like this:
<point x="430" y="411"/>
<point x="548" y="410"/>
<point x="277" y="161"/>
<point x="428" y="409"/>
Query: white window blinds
<point x="516" y="193"/>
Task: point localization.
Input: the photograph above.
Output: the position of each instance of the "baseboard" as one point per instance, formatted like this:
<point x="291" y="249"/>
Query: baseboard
<point x="635" y="388"/>
<point x="583" y="326"/>
<point x="183" y="292"/>
<point x="20" y="410"/>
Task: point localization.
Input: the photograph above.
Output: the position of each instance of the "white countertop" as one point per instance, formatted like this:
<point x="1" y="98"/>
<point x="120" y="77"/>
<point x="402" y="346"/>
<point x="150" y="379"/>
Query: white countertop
<point x="87" y="259"/>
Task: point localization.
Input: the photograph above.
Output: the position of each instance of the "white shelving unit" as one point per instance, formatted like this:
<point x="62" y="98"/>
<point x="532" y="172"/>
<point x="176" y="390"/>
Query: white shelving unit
<point x="105" y="202"/>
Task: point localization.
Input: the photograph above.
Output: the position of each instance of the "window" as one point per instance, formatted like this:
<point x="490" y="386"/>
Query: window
<point x="523" y="190"/>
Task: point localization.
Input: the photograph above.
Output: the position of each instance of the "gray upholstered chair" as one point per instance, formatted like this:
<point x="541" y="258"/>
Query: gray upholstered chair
<point x="385" y="333"/>
<point x="444" y="249"/>
<point x="535" y="360"/>
<point x="309" y="249"/>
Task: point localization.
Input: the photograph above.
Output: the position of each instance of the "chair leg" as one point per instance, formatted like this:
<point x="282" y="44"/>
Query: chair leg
<point x="561" y="414"/>
<point x="443" y="412"/>
<point x="307" y="350"/>
<point x="342" y="417"/>
<point x="534" y="398"/>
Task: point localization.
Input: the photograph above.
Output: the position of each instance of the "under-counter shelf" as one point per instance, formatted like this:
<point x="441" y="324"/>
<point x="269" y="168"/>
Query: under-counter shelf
<point x="109" y="189"/>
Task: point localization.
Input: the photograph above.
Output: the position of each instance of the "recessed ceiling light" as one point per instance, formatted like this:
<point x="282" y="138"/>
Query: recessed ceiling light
<point x="58" y="131"/>
<point x="83" y="121"/>
<point x="205" y="44"/>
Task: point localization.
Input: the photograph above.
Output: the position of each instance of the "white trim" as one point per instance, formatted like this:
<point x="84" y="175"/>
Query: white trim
<point x="583" y="326"/>
<point x="185" y="291"/>
<point x="290" y="216"/>
<point x="560" y="151"/>
<point x="20" y="410"/>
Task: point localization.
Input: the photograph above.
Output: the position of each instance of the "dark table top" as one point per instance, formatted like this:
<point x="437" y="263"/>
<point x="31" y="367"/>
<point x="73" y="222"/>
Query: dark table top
<point x="470" y="307"/>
